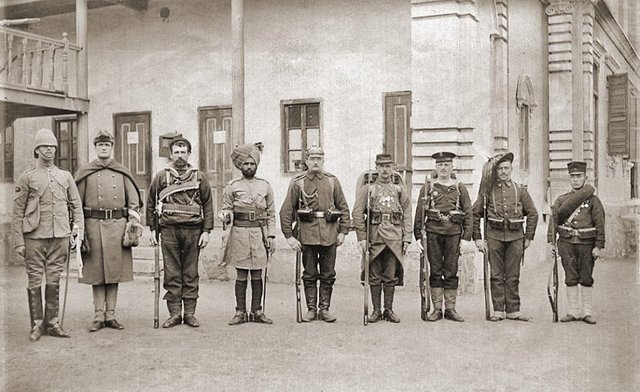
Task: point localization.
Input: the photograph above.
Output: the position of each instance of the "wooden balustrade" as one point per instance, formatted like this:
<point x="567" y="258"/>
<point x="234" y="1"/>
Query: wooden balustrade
<point x="36" y="62"/>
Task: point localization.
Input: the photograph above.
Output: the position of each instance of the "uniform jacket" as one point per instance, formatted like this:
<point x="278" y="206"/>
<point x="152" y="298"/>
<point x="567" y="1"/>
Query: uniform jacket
<point x="591" y="215"/>
<point x="107" y="185"/>
<point x="507" y="200"/>
<point x="444" y="198"/>
<point x="44" y="197"/>
<point x="200" y="196"/>
<point x="321" y="191"/>
<point x="245" y="246"/>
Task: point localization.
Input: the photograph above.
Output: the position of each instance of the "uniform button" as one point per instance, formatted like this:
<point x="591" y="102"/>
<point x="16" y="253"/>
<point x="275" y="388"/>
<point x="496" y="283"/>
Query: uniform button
<point x="115" y="197"/>
<point x="113" y="175"/>
<point x="99" y="186"/>
<point x="114" y="186"/>
<point x="98" y="174"/>
<point x="99" y="197"/>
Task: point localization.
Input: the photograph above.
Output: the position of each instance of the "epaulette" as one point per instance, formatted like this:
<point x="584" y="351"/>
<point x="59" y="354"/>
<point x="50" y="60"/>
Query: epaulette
<point x="328" y="174"/>
<point x="261" y="179"/>
<point x="234" y="180"/>
<point x="30" y="169"/>
<point x="297" y="177"/>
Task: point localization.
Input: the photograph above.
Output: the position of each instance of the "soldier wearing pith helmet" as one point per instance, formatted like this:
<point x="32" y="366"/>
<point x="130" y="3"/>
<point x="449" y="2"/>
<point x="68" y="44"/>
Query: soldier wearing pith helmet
<point x="578" y="216"/>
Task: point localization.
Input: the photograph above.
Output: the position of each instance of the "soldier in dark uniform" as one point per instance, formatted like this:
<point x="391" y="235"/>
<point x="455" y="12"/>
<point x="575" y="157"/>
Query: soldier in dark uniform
<point x="248" y="206"/>
<point x="389" y="235"/>
<point x="316" y="200"/>
<point x="578" y="217"/>
<point x="509" y="205"/>
<point x="42" y="231"/>
<point x="444" y="212"/>
<point x="179" y="205"/>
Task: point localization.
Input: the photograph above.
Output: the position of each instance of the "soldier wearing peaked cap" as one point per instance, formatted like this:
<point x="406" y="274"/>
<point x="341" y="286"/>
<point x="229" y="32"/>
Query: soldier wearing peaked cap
<point x="179" y="205"/>
<point x="511" y="225"/>
<point x="444" y="213"/>
<point x="111" y="204"/>
<point x="248" y="206"/>
<point x="46" y="206"/>
<point x="578" y="217"/>
<point x="316" y="201"/>
<point x="389" y="217"/>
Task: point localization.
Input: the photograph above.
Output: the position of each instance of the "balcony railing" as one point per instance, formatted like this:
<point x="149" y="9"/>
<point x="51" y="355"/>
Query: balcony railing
<point x="36" y="62"/>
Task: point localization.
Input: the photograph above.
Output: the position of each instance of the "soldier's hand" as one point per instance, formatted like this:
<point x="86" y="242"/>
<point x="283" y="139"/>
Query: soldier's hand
<point x="73" y="241"/>
<point x="20" y="251"/>
<point x="294" y="244"/>
<point x="152" y="240"/>
<point x="480" y="246"/>
<point x="596" y="253"/>
<point x="405" y="247"/>
<point x="204" y="240"/>
<point x="363" y="245"/>
<point x="552" y="251"/>
<point x="225" y="216"/>
<point x="340" y="240"/>
<point x="527" y="242"/>
<point x="271" y="245"/>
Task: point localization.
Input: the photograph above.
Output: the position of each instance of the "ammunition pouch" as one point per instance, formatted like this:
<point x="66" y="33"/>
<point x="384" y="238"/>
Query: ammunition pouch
<point x="457" y="216"/>
<point x="506" y="224"/>
<point x="305" y="214"/>
<point x="332" y="215"/>
<point x="176" y="214"/>
<point x="31" y="218"/>
<point x="583" y="234"/>
<point x="396" y="218"/>
<point x="377" y="217"/>
<point x="514" y="224"/>
<point x="496" y="223"/>
<point x="434" y="215"/>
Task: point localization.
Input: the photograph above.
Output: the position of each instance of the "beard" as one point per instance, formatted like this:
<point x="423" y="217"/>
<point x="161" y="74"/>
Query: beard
<point x="248" y="173"/>
<point x="180" y="163"/>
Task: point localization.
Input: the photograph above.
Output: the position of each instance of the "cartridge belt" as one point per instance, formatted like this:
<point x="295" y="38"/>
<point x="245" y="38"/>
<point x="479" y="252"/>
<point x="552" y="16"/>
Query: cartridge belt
<point x="115" y="213"/>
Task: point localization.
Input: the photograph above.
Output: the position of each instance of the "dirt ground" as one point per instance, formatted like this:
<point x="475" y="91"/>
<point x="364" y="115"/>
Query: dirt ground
<point x="344" y="356"/>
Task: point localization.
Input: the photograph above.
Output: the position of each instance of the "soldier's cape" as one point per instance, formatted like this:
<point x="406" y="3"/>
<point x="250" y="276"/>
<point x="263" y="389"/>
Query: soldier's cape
<point x="98" y="165"/>
<point x="574" y="201"/>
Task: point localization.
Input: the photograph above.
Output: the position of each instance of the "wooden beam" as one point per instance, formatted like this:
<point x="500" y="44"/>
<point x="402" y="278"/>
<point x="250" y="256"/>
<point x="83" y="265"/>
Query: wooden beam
<point x="237" y="67"/>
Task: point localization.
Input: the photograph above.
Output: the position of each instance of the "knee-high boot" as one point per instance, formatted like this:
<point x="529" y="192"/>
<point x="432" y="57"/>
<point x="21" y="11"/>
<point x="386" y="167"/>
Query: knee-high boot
<point x="52" y="306"/>
<point x="35" y="312"/>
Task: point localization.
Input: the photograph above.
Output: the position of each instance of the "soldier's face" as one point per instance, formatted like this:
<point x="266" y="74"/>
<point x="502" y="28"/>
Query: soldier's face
<point x="46" y="153"/>
<point x="104" y="149"/>
<point x="315" y="163"/>
<point x="180" y="155"/>
<point x="249" y="168"/>
<point x="577" y="180"/>
<point x="444" y="169"/>
<point x="384" y="170"/>
<point x="504" y="171"/>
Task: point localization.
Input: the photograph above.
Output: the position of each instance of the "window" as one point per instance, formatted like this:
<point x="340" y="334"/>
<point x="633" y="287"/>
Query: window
<point x="525" y="101"/>
<point x="6" y="141"/>
<point x="525" y="114"/>
<point x="66" y="131"/>
<point x="618" y="138"/>
<point x="301" y="128"/>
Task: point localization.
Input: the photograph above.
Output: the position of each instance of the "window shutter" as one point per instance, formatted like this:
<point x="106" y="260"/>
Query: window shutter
<point x="619" y="125"/>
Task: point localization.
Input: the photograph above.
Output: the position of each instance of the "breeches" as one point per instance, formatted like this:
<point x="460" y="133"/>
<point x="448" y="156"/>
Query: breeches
<point x="45" y="257"/>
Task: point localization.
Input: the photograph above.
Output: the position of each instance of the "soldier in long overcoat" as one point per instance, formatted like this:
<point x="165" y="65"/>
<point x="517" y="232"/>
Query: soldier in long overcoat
<point x="110" y="199"/>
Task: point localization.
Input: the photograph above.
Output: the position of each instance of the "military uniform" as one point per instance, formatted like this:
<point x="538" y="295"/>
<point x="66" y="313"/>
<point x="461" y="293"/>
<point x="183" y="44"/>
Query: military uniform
<point x="183" y="198"/>
<point x="579" y="220"/>
<point x="319" y="203"/>
<point x="43" y="200"/>
<point x="509" y="207"/>
<point x="110" y="199"/>
<point x="389" y="232"/>
<point x="249" y="202"/>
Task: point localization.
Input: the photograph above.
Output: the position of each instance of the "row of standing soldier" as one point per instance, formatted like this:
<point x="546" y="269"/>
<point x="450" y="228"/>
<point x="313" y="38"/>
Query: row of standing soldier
<point x="102" y="209"/>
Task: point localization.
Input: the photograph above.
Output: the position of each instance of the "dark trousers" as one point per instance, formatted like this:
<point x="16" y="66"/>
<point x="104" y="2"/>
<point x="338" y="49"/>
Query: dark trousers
<point x="382" y="269"/>
<point x="442" y="251"/>
<point x="505" y="258"/>
<point x="314" y="256"/>
<point x="45" y="257"/>
<point x="180" y="251"/>
<point x="577" y="261"/>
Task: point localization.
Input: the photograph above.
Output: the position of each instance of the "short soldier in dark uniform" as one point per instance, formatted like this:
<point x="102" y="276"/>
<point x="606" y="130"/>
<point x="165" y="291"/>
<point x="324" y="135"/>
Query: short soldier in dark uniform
<point x="508" y="205"/>
<point x="316" y="200"/>
<point x="44" y="198"/>
<point x="389" y="218"/>
<point x="179" y="205"/>
<point x="445" y="212"/>
<point x="578" y="216"/>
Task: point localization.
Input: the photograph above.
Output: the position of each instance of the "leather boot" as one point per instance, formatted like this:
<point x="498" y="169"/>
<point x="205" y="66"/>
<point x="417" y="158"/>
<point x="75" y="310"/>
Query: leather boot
<point x="388" y="314"/>
<point x="52" y="305"/>
<point x="256" y="294"/>
<point x="259" y="317"/>
<point x="436" y="297"/>
<point x="35" y="312"/>
<point x="239" y="318"/>
<point x="175" y="314"/>
<point x="325" y="302"/>
<point x="376" y="291"/>
<point x="450" y="305"/>
<point x="190" y="311"/>
<point x="573" y="314"/>
<point x="587" y="300"/>
<point x="311" y="295"/>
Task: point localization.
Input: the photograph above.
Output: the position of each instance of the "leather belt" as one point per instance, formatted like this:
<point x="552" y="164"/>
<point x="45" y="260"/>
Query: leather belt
<point x="250" y="216"/>
<point x="319" y="214"/>
<point x="116" y="213"/>
<point x="575" y="232"/>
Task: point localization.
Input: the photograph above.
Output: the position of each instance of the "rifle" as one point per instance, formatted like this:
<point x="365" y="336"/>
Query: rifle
<point x="552" y="282"/>
<point x="485" y="263"/>
<point x="298" y="283"/>
<point x="425" y="290"/>
<point x="266" y="268"/>
<point x="367" y="253"/>
<point x="156" y="268"/>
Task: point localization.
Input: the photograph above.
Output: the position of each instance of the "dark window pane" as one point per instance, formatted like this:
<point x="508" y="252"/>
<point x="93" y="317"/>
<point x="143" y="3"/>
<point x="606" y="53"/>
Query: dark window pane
<point x="294" y="116"/>
<point x="313" y="115"/>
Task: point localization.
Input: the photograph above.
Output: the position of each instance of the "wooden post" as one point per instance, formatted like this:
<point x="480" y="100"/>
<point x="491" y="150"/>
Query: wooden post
<point x="52" y="60"/>
<point x="25" y="41"/>
<point x="9" y="56"/>
<point x="82" y="80"/>
<point x="237" y="65"/>
<point x="65" y="64"/>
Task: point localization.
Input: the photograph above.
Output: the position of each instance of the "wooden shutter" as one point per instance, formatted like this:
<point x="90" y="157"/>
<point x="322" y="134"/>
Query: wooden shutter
<point x="618" y="138"/>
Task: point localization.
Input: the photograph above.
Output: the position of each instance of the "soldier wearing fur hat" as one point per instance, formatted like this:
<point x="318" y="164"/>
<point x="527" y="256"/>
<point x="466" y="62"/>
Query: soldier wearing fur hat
<point x="179" y="205"/>
<point x="41" y="226"/>
<point x="111" y="204"/>
<point x="316" y="201"/>
<point x="578" y="217"/>
<point x="248" y="206"/>
<point x="511" y="226"/>
<point x="389" y="217"/>
<point x="444" y="213"/>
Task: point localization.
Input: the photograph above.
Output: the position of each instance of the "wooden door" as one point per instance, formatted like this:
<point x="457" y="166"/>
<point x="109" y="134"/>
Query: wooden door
<point x="215" y="135"/>
<point x="132" y="133"/>
<point x="397" y="131"/>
